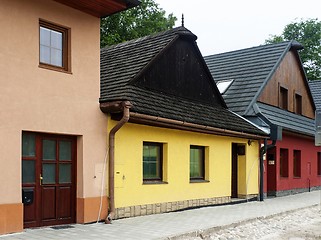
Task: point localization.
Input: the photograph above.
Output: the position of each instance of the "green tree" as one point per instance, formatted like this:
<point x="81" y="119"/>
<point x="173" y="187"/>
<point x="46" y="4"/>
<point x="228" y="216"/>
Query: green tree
<point x="140" y="21"/>
<point x="308" y="33"/>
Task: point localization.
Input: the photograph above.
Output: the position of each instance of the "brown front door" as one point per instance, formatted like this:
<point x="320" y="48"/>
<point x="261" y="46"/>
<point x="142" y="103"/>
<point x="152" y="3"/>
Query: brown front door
<point x="48" y="179"/>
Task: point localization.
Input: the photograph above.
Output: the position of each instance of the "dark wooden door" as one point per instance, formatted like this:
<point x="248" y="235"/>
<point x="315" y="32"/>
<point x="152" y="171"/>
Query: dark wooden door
<point x="271" y="171"/>
<point x="234" y="181"/>
<point x="48" y="177"/>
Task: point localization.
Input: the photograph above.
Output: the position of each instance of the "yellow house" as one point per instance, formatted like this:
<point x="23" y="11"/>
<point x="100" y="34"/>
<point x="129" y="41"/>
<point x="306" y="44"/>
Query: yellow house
<point x="52" y="143"/>
<point x="173" y="144"/>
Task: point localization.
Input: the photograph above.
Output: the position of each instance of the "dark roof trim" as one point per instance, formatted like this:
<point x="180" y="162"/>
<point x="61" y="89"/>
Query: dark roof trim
<point x="129" y="4"/>
<point x="100" y="8"/>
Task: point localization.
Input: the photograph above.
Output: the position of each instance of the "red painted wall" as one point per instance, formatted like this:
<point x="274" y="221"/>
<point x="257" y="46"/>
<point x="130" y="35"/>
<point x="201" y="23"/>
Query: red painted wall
<point x="309" y="177"/>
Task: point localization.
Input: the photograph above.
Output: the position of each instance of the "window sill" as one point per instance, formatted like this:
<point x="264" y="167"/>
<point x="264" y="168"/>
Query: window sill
<point x="151" y="182"/>
<point x="53" y="68"/>
<point x="198" y="181"/>
<point x="296" y="177"/>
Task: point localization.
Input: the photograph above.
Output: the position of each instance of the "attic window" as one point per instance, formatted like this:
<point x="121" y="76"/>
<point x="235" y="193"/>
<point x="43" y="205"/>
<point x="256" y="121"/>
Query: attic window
<point x="283" y="98"/>
<point x="224" y="85"/>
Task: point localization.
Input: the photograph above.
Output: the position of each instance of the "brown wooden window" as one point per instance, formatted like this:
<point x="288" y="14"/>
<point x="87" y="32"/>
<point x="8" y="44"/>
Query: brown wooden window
<point x="284" y="162"/>
<point x="319" y="164"/>
<point x="152" y="161"/>
<point x="283" y="98"/>
<point x="53" y="46"/>
<point x="298" y="104"/>
<point x="197" y="163"/>
<point x="297" y="163"/>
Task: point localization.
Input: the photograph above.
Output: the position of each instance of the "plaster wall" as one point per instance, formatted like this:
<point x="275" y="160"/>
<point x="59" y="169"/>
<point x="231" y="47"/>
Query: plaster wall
<point x="309" y="178"/>
<point x="41" y="100"/>
<point x="130" y="189"/>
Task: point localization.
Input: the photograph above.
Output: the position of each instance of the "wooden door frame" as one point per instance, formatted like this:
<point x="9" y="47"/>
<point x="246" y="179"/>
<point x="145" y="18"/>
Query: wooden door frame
<point x="38" y="222"/>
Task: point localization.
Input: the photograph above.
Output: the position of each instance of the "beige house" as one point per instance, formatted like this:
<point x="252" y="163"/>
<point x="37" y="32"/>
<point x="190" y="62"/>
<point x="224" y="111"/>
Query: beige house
<point x="52" y="137"/>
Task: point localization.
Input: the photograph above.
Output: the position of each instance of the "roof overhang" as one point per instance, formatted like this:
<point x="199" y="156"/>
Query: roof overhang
<point x="187" y="126"/>
<point x="100" y="8"/>
<point x="114" y="108"/>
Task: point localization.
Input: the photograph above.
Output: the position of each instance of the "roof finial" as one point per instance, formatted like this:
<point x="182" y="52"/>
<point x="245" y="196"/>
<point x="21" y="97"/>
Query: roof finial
<point x="182" y="19"/>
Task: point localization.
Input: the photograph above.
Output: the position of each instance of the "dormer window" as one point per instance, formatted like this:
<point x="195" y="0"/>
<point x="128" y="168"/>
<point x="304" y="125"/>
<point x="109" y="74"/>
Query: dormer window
<point x="53" y="46"/>
<point x="224" y="85"/>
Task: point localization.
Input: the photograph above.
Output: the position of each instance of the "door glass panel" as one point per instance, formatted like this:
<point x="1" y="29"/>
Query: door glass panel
<point x="28" y="144"/>
<point x="64" y="173"/>
<point x="28" y="171"/>
<point x="48" y="150"/>
<point x="65" y="150"/>
<point x="48" y="173"/>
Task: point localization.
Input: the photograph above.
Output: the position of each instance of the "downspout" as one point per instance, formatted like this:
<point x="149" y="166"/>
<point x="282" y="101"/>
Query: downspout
<point x="126" y="105"/>
<point x="263" y="150"/>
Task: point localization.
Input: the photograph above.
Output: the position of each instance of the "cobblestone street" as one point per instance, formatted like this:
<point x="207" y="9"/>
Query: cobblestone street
<point x="296" y="225"/>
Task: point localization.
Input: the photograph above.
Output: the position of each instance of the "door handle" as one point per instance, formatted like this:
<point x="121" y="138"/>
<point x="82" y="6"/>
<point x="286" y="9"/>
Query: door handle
<point x="40" y="178"/>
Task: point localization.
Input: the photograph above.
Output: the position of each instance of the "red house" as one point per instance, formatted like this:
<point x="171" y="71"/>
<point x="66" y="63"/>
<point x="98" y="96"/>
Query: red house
<point x="268" y="86"/>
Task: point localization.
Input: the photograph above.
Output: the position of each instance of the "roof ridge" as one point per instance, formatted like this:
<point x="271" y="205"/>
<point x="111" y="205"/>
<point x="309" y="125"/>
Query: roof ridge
<point x="272" y="45"/>
<point x="177" y="30"/>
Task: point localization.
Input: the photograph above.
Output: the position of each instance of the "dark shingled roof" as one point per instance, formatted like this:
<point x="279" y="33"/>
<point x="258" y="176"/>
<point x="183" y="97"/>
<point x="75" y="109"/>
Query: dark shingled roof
<point x="121" y="64"/>
<point x="315" y="87"/>
<point x="287" y="120"/>
<point x="250" y="69"/>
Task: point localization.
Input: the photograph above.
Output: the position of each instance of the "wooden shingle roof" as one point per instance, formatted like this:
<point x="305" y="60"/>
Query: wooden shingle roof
<point x="315" y="87"/>
<point x="250" y="69"/>
<point x="123" y="64"/>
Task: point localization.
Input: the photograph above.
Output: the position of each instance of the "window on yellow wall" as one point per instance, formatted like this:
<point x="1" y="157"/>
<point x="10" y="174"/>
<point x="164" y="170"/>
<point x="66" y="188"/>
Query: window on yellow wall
<point x="152" y="161"/>
<point x="53" y="46"/>
<point x="197" y="163"/>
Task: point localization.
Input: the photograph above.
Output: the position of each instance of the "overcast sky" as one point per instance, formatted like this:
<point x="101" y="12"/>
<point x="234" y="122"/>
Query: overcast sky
<point x="226" y="25"/>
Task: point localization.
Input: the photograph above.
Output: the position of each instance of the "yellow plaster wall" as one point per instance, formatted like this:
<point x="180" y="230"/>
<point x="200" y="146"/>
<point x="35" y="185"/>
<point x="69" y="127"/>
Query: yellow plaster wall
<point x="129" y="187"/>
<point x="248" y="173"/>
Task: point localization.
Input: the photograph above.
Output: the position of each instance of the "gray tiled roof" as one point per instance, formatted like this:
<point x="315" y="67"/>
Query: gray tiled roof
<point x="288" y="120"/>
<point x="250" y="70"/>
<point x="123" y="63"/>
<point x="315" y="87"/>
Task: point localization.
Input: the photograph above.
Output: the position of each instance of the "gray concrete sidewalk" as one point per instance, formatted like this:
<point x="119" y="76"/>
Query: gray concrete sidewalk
<point x="175" y="224"/>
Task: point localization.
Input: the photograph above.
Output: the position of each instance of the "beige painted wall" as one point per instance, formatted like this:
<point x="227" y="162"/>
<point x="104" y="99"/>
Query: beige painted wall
<point x="37" y="99"/>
